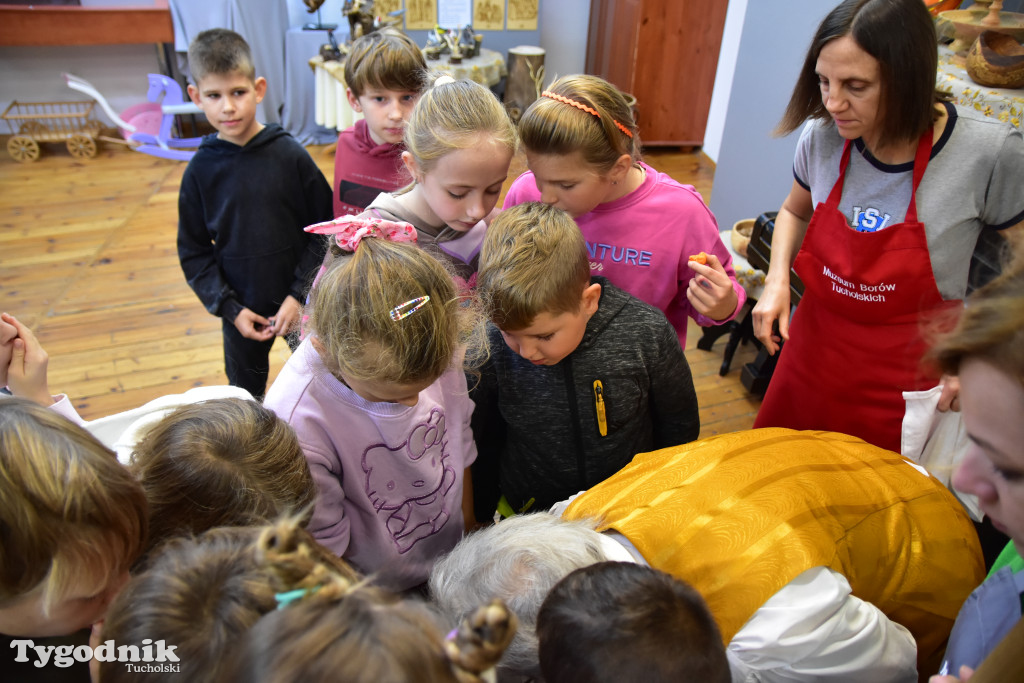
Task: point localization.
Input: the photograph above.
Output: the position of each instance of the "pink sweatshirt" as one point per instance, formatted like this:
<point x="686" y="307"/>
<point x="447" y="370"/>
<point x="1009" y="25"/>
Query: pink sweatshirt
<point x="641" y="243"/>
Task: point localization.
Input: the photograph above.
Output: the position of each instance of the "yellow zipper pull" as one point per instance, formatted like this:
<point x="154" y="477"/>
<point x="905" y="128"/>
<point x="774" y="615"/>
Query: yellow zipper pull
<point x="602" y="421"/>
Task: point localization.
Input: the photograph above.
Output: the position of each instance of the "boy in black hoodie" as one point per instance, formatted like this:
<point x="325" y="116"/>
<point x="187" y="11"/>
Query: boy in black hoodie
<point x="244" y="200"/>
<point x="581" y="376"/>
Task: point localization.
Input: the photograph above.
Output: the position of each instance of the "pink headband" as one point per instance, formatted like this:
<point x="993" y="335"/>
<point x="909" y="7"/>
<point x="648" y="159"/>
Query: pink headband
<point x="582" y="107"/>
<point x="349" y="230"/>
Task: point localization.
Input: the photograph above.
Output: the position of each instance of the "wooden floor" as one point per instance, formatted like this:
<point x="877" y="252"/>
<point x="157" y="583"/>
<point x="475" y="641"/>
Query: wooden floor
<point x="88" y="261"/>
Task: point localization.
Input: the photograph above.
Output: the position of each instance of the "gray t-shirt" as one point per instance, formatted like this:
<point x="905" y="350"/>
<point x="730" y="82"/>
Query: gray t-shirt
<point x="975" y="179"/>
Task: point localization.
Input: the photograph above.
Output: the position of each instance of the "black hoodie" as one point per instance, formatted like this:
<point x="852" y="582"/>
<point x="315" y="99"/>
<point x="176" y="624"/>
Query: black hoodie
<point x="241" y="214"/>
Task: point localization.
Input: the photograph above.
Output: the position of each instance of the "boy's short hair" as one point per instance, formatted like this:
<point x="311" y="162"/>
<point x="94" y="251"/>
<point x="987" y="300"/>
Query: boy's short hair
<point x="218" y="51"/>
<point x="222" y="462"/>
<point x="533" y="261"/>
<point x="68" y="509"/>
<point x="386" y="59"/>
<point x="618" y="621"/>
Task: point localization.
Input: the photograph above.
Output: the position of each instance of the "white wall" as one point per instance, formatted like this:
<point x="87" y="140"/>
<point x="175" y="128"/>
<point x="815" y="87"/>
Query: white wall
<point x="33" y="74"/>
<point x="754" y="169"/>
<point x="734" y="18"/>
<point x="563" y="35"/>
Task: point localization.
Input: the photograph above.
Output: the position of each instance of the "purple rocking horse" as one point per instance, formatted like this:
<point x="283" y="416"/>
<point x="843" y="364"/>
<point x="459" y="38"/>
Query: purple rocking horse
<point x="147" y="126"/>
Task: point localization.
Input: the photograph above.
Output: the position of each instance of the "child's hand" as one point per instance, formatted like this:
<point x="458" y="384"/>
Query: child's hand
<point x="252" y="325"/>
<point x="8" y="333"/>
<point x="965" y="675"/>
<point x="287" y="316"/>
<point x="26" y="374"/>
<point x="710" y="290"/>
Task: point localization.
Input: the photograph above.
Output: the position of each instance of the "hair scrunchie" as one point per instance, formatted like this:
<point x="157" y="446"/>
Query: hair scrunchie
<point x="348" y="231"/>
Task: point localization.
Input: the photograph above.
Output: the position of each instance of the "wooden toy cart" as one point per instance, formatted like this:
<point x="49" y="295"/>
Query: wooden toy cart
<point x="35" y="122"/>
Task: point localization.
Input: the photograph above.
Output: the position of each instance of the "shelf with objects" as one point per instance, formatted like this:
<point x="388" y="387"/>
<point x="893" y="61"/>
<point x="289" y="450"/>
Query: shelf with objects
<point x="468" y="61"/>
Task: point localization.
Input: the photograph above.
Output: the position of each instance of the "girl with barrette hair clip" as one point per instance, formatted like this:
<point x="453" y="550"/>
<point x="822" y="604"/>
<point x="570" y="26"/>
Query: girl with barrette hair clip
<point x="641" y="226"/>
<point x="459" y="143"/>
<point x="377" y="395"/>
<point x="330" y="627"/>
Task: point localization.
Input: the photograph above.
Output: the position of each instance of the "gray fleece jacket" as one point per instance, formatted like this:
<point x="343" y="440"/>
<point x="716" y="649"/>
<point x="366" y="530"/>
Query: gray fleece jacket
<point x="536" y="427"/>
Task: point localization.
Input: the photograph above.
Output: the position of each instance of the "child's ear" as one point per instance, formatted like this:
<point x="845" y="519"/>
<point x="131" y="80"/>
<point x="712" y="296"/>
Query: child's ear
<point x="261" y="88"/>
<point x="591" y="298"/>
<point x="618" y="172"/>
<point x="193" y="94"/>
<point x="410" y="165"/>
<point x="318" y="345"/>
<point x="353" y="101"/>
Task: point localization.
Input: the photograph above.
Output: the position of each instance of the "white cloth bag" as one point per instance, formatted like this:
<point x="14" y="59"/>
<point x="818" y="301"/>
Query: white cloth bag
<point x="936" y="441"/>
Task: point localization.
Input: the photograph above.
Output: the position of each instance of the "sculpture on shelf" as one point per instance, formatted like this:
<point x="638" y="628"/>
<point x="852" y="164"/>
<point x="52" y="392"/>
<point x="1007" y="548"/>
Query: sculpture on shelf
<point x="360" y="17"/>
<point x="460" y="45"/>
<point x="314" y="6"/>
<point x="361" y="21"/>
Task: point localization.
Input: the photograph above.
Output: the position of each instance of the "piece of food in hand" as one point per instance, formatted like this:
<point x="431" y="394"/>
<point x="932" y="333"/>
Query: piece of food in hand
<point x="700" y="258"/>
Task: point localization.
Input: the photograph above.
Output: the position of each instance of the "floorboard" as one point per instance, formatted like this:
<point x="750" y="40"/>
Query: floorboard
<point x="88" y="261"/>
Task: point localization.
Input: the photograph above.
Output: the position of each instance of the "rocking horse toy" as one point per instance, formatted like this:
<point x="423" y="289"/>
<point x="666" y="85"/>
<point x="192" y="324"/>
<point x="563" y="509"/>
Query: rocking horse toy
<point x="146" y="127"/>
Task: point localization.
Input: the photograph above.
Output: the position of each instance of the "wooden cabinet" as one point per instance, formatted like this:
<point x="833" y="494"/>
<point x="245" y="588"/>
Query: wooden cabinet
<point x="665" y="53"/>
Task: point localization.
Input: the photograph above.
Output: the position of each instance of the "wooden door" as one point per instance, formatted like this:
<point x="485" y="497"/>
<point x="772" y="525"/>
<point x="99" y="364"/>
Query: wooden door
<point x="664" y="52"/>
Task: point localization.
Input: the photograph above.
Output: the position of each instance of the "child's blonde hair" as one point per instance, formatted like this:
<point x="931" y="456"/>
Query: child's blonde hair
<point x="533" y="261"/>
<point x="223" y="462"/>
<point x="371" y="322"/>
<point x="69" y="511"/>
<point x="219" y="52"/>
<point x="341" y="628"/>
<point x="553" y="126"/>
<point x="451" y="116"/>
<point x="386" y="59"/>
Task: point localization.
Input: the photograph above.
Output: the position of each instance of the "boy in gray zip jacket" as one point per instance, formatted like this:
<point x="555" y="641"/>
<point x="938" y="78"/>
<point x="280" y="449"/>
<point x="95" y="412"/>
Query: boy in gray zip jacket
<point x="581" y="375"/>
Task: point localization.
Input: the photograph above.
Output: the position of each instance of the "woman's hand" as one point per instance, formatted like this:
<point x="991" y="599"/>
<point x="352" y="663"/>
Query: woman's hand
<point x="774" y="304"/>
<point x="771" y="307"/>
<point x="949" y="399"/>
<point x="710" y="290"/>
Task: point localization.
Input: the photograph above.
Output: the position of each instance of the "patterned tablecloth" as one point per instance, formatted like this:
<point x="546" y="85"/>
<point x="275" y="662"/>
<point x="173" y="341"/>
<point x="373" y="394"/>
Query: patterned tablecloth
<point x="997" y="103"/>
<point x="331" y="104"/>
<point x="750" y="278"/>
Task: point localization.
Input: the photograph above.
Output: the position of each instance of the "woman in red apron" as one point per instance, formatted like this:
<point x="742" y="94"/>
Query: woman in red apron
<point x="855" y="341"/>
<point x="856" y="337"/>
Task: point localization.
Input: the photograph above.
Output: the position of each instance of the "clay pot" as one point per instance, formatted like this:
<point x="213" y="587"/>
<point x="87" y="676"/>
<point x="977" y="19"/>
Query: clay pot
<point x="740" y="237"/>
<point x="996" y="60"/>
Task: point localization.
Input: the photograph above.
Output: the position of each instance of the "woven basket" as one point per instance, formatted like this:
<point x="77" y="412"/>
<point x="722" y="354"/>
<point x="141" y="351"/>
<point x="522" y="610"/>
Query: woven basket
<point x="996" y="60"/>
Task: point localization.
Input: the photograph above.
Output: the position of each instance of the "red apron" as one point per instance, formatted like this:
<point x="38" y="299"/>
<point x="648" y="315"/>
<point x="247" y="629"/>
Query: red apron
<point x="855" y="340"/>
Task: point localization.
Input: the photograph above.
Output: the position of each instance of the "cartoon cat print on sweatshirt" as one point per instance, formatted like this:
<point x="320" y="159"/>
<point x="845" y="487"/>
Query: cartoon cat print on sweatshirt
<point x="416" y="509"/>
